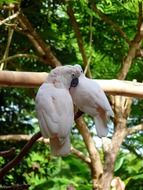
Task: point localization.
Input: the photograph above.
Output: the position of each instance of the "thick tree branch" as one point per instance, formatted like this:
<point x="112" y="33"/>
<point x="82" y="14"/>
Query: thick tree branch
<point x="19" y="157"/>
<point x="111" y="154"/>
<point x="122" y="108"/>
<point x="96" y="165"/>
<point x="33" y="79"/>
<point x="120" y="87"/>
<point x="127" y="62"/>
<point x="42" y="48"/>
<point x="26" y="148"/>
<point x="22" y="137"/>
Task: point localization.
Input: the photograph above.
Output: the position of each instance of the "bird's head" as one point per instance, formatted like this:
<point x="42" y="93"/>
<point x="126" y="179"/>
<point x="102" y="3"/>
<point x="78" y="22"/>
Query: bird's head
<point x="75" y="81"/>
<point x="65" y="76"/>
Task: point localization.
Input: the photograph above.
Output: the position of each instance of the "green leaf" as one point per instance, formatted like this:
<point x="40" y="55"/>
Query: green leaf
<point x="119" y="163"/>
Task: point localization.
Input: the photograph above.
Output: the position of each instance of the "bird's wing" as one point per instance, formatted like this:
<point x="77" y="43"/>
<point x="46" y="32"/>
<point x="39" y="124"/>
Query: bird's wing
<point x="93" y="95"/>
<point x="102" y="98"/>
<point x="54" y="111"/>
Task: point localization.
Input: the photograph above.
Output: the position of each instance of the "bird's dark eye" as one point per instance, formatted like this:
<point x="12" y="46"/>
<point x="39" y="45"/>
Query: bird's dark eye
<point x="73" y="75"/>
<point x="81" y="71"/>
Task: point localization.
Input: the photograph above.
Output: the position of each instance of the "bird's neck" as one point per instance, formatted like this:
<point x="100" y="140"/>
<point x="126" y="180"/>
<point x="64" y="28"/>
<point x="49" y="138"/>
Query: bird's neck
<point x="82" y="76"/>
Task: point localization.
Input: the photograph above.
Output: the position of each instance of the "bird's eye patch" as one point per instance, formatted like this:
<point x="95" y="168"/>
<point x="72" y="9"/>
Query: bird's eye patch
<point x="74" y="82"/>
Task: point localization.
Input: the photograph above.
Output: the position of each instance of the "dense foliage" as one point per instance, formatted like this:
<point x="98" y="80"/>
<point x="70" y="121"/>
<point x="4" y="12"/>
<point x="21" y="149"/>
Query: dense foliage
<point x="107" y="50"/>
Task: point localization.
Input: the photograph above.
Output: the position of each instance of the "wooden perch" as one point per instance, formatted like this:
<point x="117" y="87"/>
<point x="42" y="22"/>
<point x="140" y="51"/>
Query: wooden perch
<point x="35" y="79"/>
<point x="22" y="79"/>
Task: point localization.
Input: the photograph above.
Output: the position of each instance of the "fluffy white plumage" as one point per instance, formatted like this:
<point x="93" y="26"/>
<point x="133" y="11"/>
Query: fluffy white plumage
<point x="54" y="108"/>
<point x="89" y="97"/>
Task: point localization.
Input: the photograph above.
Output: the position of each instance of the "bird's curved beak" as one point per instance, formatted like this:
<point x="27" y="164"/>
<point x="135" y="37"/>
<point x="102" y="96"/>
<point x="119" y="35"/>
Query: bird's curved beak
<point x="74" y="82"/>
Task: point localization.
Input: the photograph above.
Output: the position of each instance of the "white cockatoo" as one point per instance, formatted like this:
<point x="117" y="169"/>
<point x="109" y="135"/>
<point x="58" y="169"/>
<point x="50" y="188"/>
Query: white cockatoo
<point x="54" y="107"/>
<point x="89" y="97"/>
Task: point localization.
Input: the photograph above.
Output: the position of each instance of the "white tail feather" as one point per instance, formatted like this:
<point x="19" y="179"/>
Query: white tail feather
<point x="101" y="126"/>
<point x="59" y="148"/>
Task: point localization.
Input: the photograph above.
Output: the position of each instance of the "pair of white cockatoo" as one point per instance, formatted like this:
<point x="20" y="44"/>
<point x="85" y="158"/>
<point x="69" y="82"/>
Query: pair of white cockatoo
<point x="64" y="86"/>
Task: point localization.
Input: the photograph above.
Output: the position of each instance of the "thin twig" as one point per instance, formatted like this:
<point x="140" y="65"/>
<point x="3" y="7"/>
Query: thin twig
<point x="7" y="153"/>
<point x="90" y="45"/>
<point x="81" y="156"/>
<point x="15" y="187"/>
<point x="10" y="35"/>
<point x="139" y="53"/>
<point x="9" y="18"/>
<point x="4" y="63"/>
<point x="32" y="56"/>
<point x="135" y="129"/>
<point x="78" y="36"/>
